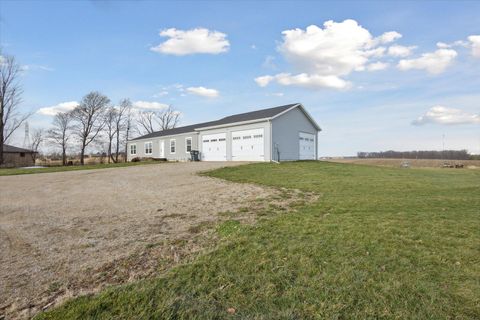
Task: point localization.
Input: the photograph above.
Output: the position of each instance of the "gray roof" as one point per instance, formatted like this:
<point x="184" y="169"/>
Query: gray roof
<point x="248" y="116"/>
<point x="12" y="149"/>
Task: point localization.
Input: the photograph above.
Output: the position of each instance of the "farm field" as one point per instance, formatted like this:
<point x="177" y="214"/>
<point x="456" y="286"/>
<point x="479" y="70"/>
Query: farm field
<point x="68" y="233"/>
<point x="414" y="163"/>
<point x="378" y="243"/>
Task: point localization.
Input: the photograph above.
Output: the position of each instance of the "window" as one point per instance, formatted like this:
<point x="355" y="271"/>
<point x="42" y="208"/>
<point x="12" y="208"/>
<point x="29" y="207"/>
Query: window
<point x="188" y="144"/>
<point x="22" y="154"/>
<point x="133" y="149"/>
<point x="172" y="146"/>
<point x="148" y="148"/>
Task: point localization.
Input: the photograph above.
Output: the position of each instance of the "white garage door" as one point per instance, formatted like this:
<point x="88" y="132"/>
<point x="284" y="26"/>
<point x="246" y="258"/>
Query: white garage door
<point x="307" y="146"/>
<point x="248" y="145"/>
<point x="214" y="147"/>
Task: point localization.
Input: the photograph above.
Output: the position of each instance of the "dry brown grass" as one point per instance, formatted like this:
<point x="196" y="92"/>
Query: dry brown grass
<point x="414" y="163"/>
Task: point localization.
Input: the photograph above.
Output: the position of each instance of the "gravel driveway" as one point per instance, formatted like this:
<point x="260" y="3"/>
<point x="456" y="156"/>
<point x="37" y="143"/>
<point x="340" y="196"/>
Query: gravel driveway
<point x="57" y="227"/>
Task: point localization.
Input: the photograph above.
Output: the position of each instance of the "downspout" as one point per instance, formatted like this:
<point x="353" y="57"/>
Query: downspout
<point x="271" y="140"/>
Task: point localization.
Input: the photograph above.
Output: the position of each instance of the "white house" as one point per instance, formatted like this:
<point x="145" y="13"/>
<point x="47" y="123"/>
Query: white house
<point x="281" y="133"/>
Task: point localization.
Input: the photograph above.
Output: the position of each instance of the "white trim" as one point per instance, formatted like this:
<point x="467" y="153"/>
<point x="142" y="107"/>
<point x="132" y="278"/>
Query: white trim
<point x="130" y="149"/>
<point x="271" y="139"/>
<point x="174" y="145"/>
<point x="164" y="137"/>
<point x="232" y="124"/>
<point x="145" y="148"/>
<point x="191" y="144"/>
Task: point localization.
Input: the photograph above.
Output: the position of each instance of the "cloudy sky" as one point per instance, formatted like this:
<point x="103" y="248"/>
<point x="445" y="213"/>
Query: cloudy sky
<point x="374" y="75"/>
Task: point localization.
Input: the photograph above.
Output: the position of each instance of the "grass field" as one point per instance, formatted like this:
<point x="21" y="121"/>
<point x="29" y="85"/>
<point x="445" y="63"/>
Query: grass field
<point x="379" y="243"/>
<point x="16" y="171"/>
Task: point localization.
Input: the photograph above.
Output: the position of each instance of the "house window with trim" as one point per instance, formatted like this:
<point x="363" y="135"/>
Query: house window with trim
<point x="188" y="145"/>
<point x="133" y="149"/>
<point x="172" y="146"/>
<point x="148" y="148"/>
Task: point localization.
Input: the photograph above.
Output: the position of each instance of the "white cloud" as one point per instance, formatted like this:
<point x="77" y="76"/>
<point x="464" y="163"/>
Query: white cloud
<point x="321" y="56"/>
<point x="199" y="40"/>
<point x="263" y="81"/>
<point x="401" y="51"/>
<point x="275" y="94"/>
<point x="149" y="105"/>
<point x="160" y="94"/>
<point x="313" y="81"/>
<point x="336" y="49"/>
<point x="377" y="66"/>
<point x="204" y="92"/>
<point x="269" y="62"/>
<point x="388" y="37"/>
<point x="475" y="44"/>
<point x="445" y="115"/>
<point x="61" y="107"/>
<point x="433" y="62"/>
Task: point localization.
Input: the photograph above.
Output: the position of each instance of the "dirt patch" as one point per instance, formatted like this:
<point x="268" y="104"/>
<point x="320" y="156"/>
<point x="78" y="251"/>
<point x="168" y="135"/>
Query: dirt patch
<point x="67" y="233"/>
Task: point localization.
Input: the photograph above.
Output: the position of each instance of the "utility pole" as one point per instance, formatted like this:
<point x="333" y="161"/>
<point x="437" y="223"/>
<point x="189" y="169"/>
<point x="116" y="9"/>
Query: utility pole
<point x="443" y="146"/>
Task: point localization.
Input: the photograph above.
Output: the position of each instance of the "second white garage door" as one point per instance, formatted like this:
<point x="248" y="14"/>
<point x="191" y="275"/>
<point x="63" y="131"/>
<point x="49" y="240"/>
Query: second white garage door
<point x="306" y="146"/>
<point x="248" y="145"/>
<point x="214" y="147"/>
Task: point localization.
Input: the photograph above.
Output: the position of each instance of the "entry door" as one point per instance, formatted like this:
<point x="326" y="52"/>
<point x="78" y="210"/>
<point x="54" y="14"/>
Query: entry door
<point x="162" y="148"/>
<point x="306" y="146"/>
<point x="248" y="145"/>
<point x="214" y="147"/>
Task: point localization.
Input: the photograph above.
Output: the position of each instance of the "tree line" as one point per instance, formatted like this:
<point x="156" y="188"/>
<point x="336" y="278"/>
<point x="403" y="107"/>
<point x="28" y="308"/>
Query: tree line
<point x="421" y="154"/>
<point x="95" y="121"/>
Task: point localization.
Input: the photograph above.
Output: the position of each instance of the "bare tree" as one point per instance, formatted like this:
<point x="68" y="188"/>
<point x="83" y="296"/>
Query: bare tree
<point x="151" y="121"/>
<point x="36" y="140"/>
<point x="111" y="115"/>
<point x="168" y="118"/>
<point x="89" y="118"/>
<point x="146" y="121"/>
<point x="10" y="98"/>
<point x="123" y="122"/>
<point x="129" y="126"/>
<point x="60" y="133"/>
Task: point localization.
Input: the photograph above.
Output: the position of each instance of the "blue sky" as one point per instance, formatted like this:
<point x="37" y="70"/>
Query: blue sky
<point x="345" y="72"/>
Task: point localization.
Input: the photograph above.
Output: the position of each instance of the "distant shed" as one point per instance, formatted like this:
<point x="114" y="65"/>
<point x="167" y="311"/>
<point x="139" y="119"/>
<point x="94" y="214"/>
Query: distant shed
<point x="17" y="157"/>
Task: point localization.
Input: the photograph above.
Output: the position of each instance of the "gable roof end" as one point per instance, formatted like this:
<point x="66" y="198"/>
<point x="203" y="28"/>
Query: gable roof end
<point x="302" y="108"/>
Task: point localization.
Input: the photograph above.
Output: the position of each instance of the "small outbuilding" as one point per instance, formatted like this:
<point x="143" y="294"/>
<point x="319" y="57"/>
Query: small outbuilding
<point x="275" y="134"/>
<point x="17" y="157"/>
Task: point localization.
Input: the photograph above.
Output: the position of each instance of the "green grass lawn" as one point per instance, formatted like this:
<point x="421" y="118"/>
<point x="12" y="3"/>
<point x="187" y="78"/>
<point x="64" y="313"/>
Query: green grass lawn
<point x="17" y="171"/>
<point x="379" y="243"/>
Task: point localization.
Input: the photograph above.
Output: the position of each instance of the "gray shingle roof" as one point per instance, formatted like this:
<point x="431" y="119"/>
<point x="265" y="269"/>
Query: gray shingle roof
<point x="12" y="149"/>
<point x="248" y="116"/>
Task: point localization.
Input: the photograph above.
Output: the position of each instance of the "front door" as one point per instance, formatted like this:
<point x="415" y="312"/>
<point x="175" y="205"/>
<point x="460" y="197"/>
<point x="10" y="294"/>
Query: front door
<point x="162" y="149"/>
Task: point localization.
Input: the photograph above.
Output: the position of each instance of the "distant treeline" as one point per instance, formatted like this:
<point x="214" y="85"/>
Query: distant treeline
<point x="421" y="154"/>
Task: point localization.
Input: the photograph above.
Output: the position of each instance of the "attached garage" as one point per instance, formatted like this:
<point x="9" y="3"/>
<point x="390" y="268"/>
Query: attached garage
<point x="284" y="133"/>
<point x="306" y="143"/>
<point x="214" y="147"/>
<point x="248" y="145"/>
